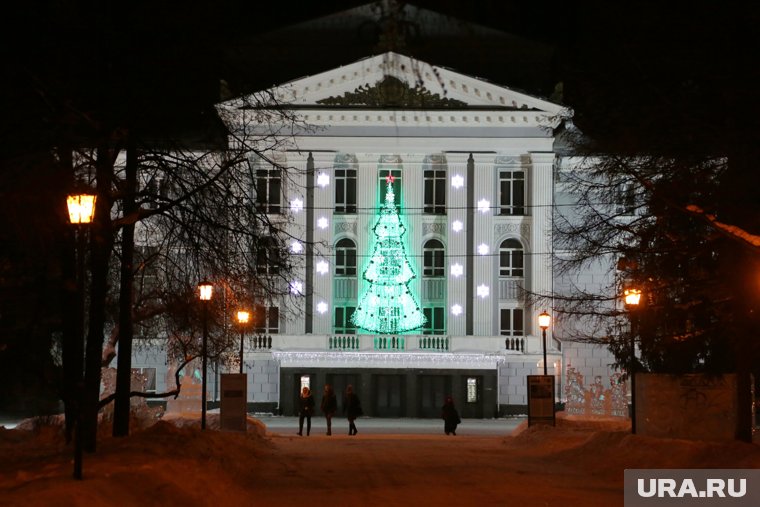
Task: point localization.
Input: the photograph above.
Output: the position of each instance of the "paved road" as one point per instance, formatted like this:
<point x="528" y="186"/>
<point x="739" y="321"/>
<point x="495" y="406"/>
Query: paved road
<point x="370" y="425"/>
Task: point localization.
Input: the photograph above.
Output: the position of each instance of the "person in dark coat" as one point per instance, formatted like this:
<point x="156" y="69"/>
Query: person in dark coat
<point x="450" y="416"/>
<point x="352" y="407"/>
<point x="329" y="406"/>
<point x="305" y="410"/>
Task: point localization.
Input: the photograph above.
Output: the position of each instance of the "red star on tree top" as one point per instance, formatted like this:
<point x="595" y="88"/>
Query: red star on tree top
<point x="389" y="178"/>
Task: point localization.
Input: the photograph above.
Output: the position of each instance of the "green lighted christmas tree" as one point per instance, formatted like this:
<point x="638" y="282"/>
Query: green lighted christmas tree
<point x="388" y="306"/>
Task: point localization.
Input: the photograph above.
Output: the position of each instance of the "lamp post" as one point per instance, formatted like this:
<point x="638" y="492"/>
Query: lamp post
<point x="205" y="291"/>
<point x="632" y="299"/>
<point x="242" y="317"/>
<point x="81" y="209"/>
<point x="544" y="320"/>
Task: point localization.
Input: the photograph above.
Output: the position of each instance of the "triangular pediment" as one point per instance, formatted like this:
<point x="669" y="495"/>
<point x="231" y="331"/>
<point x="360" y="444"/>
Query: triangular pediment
<point x="395" y="81"/>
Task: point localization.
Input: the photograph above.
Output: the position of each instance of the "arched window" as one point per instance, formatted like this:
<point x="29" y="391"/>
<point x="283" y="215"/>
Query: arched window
<point x="511" y="258"/>
<point x="345" y="258"/>
<point x="433" y="258"/>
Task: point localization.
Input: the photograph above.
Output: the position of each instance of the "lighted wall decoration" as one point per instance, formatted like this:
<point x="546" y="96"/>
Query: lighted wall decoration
<point x="387" y="305"/>
<point x="323" y="179"/>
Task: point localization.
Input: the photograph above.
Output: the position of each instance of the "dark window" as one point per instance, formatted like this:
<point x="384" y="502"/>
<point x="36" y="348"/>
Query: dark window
<point x="345" y="190"/>
<point x="435" y="191"/>
<point x="512" y="192"/>
<point x="435" y="323"/>
<point x="268" y="189"/>
<point x="266" y="319"/>
<point x="511" y="258"/>
<point x="511" y="322"/>
<point x="433" y="258"/>
<point x="625" y="202"/>
<point x="345" y="258"/>
<point x="268" y="259"/>
<point x="343" y="324"/>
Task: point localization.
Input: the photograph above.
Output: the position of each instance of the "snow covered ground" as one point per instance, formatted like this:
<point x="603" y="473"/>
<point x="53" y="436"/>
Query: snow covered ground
<point x="579" y="462"/>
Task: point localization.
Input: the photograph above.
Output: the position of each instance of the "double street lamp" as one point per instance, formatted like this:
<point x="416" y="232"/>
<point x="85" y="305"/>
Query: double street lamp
<point x="81" y="209"/>
<point x="205" y="291"/>
<point x="544" y="321"/>
<point x="243" y="317"/>
<point x="632" y="298"/>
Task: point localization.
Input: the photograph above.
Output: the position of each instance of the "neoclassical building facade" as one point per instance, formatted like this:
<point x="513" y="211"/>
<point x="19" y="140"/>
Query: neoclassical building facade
<point x="472" y="168"/>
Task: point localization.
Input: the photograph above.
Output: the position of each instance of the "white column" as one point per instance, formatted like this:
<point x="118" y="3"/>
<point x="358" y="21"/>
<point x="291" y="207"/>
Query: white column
<point x="456" y="245"/>
<point x="323" y="241"/>
<point x="485" y="188"/>
<point x="540" y="199"/>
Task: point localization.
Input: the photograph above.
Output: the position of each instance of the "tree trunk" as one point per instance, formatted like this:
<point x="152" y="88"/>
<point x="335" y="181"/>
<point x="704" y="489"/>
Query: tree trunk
<point x="101" y="242"/>
<point x="126" y="328"/>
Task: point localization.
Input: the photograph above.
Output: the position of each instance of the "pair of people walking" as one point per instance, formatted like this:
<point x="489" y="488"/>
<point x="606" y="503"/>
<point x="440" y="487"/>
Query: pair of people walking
<point x="351" y="407"/>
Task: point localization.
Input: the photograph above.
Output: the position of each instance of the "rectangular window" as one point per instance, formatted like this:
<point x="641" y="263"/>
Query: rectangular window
<point x="511" y="322"/>
<point x="268" y="189"/>
<point x="305" y="382"/>
<point x="512" y="192"/>
<point x="382" y="184"/>
<point x="146" y="377"/>
<point x="625" y="202"/>
<point x="266" y="320"/>
<point x="472" y="390"/>
<point x="343" y="324"/>
<point x="345" y="190"/>
<point x="433" y="262"/>
<point x="435" y="323"/>
<point x="435" y="191"/>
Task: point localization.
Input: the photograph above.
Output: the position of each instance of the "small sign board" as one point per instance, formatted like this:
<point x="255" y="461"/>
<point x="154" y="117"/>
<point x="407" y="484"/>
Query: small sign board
<point x="233" y="409"/>
<point x="541" y="400"/>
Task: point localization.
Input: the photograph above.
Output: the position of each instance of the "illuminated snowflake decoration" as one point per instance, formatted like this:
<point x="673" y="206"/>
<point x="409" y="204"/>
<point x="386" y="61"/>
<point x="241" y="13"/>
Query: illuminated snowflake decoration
<point x="296" y="287"/>
<point x="457" y="181"/>
<point x="456" y="310"/>
<point x="296" y="205"/>
<point x="322" y="307"/>
<point x="483" y="249"/>
<point x="296" y="247"/>
<point x="457" y="270"/>
<point x="457" y="226"/>
<point x="323" y="179"/>
<point x="322" y="267"/>
<point x="483" y="291"/>
<point x="322" y="223"/>
<point x="484" y="205"/>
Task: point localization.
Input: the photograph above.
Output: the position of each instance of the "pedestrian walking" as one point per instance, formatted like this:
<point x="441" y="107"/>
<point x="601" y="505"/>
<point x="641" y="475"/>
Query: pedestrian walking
<point x="352" y="407"/>
<point x="450" y="416"/>
<point x="305" y="410"/>
<point x="329" y="405"/>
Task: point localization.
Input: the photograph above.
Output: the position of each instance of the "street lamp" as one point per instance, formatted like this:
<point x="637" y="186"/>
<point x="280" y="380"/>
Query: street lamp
<point x="205" y="291"/>
<point x="632" y="298"/>
<point x="544" y="321"/>
<point x="81" y="209"/>
<point x="242" y="317"/>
